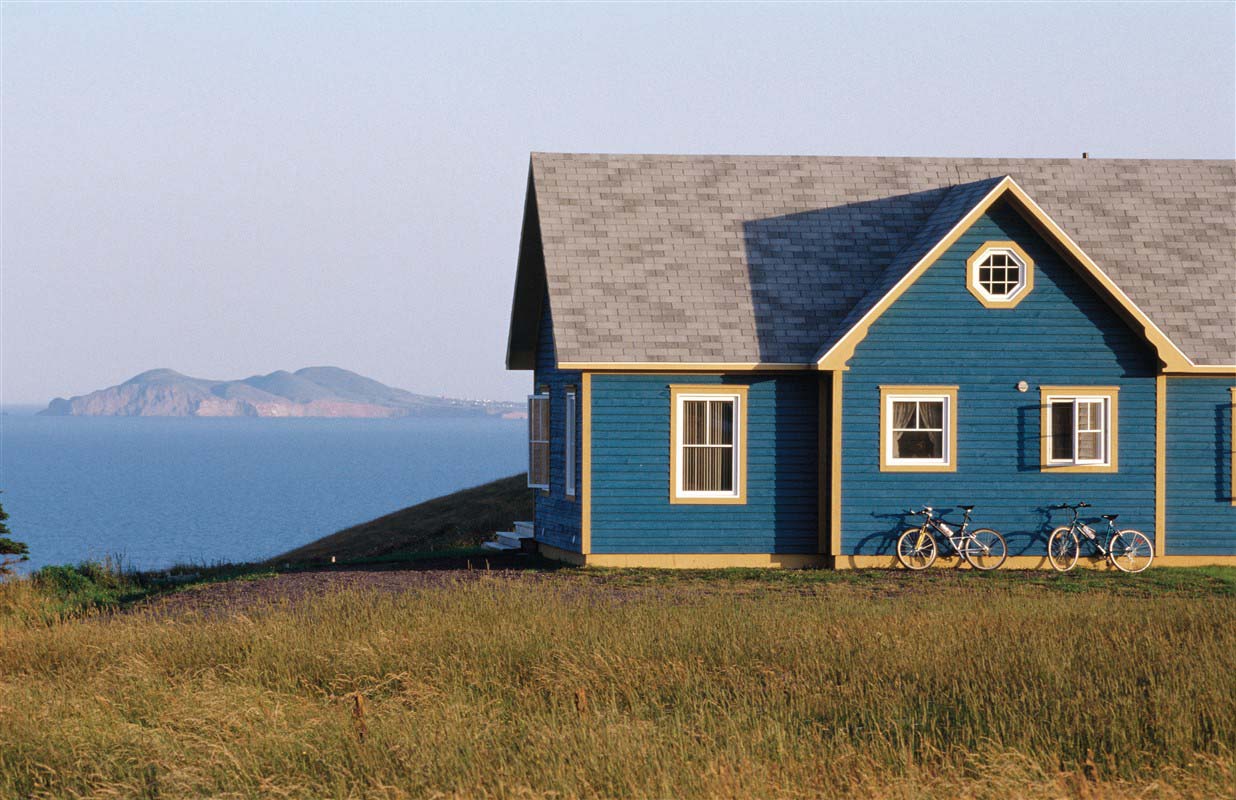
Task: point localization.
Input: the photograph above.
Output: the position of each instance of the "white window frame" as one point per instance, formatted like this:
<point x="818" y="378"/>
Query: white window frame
<point x="1105" y="459"/>
<point x="1018" y="257"/>
<point x="569" y="444"/>
<point x="1022" y="269"/>
<point x="947" y="435"/>
<point x="736" y="450"/>
<point x="533" y="400"/>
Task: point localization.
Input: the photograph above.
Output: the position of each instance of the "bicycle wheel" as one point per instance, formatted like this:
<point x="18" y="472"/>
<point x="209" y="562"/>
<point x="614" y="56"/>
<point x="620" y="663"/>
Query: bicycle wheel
<point x="916" y="549"/>
<point x="985" y="549"/>
<point x="1063" y="549"/>
<point x="1130" y="551"/>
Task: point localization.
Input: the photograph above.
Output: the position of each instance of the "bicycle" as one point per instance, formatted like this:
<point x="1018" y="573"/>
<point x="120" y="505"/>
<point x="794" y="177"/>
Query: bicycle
<point x="983" y="549"/>
<point x="1127" y="550"/>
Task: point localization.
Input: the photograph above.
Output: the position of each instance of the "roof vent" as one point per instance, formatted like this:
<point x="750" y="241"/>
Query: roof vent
<point x="1085" y="155"/>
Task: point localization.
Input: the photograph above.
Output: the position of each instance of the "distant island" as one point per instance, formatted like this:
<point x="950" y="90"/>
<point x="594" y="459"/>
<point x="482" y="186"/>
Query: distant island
<point x="308" y="392"/>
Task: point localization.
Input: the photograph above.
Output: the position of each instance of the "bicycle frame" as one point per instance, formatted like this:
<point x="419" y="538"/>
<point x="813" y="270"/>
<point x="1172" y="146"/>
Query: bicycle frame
<point x="1084" y="532"/>
<point x="954" y="537"/>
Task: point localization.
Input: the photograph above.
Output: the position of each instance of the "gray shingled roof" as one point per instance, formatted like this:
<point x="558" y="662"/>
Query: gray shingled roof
<point x="769" y="258"/>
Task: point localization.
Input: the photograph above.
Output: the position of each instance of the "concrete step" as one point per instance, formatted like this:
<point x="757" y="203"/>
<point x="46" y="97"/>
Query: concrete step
<point x="526" y="528"/>
<point x="499" y="546"/>
<point x="512" y="538"/>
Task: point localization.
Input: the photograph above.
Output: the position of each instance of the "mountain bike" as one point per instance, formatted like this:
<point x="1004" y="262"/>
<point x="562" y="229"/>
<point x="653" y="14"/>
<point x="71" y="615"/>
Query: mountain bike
<point x="983" y="549"/>
<point x="1127" y="550"/>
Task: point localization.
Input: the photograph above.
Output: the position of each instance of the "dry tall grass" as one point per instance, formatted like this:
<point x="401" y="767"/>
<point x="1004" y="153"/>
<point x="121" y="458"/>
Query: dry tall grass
<point x="565" y="687"/>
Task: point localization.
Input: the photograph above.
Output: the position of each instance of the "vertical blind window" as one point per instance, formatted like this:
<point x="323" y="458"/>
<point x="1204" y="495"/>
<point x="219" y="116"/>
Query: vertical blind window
<point x="538" y="441"/>
<point x="569" y="449"/>
<point x="1079" y="430"/>
<point x="708" y="443"/>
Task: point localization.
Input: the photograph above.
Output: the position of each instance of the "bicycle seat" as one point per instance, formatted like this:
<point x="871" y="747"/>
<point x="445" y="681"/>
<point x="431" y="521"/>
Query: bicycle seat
<point x="1109" y="517"/>
<point x="966" y="508"/>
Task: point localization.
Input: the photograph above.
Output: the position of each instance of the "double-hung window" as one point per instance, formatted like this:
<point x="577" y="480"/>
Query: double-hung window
<point x="1079" y="428"/>
<point x="708" y="443"/>
<point x="569" y="445"/>
<point x="918" y="428"/>
<point x="538" y="441"/>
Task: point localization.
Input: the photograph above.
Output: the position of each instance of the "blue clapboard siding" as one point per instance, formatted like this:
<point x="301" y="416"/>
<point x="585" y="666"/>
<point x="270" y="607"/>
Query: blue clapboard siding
<point x="1201" y="519"/>
<point x="557" y="517"/>
<point x="1062" y="333"/>
<point x="631" y="512"/>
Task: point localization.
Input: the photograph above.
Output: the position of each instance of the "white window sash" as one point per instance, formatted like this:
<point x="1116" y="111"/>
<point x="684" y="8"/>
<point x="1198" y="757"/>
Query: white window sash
<point x="1014" y="261"/>
<point x="1103" y="429"/>
<point x="946" y="421"/>
<point x="681" y="447"/>
<point x="569" y="448"/>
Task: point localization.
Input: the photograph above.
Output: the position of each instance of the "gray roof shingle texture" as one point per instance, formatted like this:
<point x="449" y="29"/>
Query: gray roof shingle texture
<point x="771" y="259"/>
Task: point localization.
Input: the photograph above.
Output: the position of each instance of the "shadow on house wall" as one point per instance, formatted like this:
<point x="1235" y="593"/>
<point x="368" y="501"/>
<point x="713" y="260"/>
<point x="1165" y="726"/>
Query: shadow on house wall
<point x="807" y="270"/>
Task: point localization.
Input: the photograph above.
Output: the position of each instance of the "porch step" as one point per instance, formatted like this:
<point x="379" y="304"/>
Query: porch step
<point x="517" y="539"/>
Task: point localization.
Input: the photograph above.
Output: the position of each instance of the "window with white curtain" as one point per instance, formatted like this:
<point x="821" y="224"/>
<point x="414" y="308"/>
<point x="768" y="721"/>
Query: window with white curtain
<point x="917" y="430"/>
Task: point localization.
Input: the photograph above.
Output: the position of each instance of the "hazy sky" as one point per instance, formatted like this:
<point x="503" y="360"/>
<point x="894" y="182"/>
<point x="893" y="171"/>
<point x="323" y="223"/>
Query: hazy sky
<point x="233" y="189"/>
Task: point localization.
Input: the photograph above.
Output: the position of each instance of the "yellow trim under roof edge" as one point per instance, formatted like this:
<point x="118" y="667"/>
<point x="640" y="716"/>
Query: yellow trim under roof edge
<point x="684" y="366"/>
<point x="1169" y="354"/>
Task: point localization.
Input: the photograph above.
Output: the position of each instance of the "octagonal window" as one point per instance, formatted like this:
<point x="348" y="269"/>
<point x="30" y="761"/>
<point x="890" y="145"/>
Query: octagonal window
<point x="999" y="274"/>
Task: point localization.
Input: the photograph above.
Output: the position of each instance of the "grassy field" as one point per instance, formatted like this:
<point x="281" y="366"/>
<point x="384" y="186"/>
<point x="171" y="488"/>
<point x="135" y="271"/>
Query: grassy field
<point x="578" y="683"/>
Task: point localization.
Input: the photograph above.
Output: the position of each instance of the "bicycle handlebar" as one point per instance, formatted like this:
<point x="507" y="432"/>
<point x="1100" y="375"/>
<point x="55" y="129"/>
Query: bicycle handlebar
<point x="1077" y="505"/>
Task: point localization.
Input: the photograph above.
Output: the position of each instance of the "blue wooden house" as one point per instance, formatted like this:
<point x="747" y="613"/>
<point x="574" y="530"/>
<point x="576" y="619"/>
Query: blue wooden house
<point x="750" y="361"/>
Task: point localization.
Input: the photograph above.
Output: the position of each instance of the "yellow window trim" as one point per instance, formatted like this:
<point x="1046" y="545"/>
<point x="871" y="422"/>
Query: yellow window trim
<point x="885" y="423"/>
<point x="1111" y="393"/>
<point x="972" y="274"/>
<point x="740" y="496"/>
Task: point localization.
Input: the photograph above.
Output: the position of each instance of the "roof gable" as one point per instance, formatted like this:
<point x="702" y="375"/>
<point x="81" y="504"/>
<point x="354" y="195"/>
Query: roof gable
<point x="958" y="212"/>
<point x="708" y="260"/>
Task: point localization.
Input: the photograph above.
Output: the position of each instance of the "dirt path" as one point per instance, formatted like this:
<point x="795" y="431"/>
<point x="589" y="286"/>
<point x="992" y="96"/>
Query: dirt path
<point x="289" y="588"/>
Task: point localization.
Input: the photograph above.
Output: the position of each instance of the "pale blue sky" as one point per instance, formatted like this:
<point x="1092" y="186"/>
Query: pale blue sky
<point x="233" y="189"/>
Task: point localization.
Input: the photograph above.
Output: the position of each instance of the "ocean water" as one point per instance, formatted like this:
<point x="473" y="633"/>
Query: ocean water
<point x="160" y="491"/>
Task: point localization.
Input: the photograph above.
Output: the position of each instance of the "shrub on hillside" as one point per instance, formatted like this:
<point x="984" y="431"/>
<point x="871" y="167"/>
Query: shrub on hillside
<point x="12" y="552"/>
